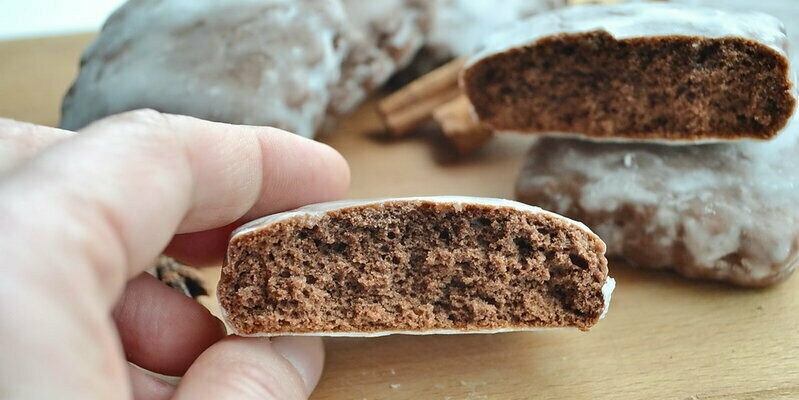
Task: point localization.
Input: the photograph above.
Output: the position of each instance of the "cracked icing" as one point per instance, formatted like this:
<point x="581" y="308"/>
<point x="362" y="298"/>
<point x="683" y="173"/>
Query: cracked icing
<point x="214" y="61"/>
<point x="284" y="63"/>
<point x="722" y="211"/>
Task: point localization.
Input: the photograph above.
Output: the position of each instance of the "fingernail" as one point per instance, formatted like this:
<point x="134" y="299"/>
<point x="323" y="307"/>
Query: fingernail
<point x="306" y="355"/>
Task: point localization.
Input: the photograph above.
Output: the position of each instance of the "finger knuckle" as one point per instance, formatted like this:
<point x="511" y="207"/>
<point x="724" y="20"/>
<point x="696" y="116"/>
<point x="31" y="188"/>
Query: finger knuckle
<point x="148" y="133"/>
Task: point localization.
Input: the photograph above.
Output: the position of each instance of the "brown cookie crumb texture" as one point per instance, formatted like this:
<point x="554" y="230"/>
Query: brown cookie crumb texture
<point x="670" y="87"/>
<point x="401" y="266"/>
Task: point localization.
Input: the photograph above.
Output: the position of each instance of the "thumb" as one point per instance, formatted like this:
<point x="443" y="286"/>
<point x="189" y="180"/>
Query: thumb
<point x="255" y="369"/>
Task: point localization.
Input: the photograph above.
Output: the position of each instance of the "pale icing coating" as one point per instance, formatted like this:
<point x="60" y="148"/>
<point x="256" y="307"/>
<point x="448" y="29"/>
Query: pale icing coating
<point x="311" y="214"/>
<point x="720" y="211"/>
<point x="607" y="292"/>
<point x="214" y="60"/>
<point x="633" y="20"/>
<point x="388" y="33"/>
<point x="459" y="27"/>
<point x="786" y="11"/>
<point x="621" y="140"/>
<point x="283" y="63"/>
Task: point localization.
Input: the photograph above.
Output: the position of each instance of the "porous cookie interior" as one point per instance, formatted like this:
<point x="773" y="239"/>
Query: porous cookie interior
<point x="400" y="266"/>
<point x="671" y="87"/>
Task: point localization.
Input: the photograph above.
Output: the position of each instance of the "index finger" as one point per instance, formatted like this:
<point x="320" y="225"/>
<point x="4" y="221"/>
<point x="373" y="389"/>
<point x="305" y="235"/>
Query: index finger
<point x="115" y="194"/>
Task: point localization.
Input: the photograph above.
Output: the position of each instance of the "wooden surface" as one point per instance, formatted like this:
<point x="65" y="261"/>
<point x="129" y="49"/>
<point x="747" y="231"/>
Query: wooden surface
<point x="664" y="338"/>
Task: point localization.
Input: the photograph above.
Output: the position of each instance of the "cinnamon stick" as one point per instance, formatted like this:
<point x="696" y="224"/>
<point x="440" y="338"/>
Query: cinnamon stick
<point x="409" y="107"/>
<point x="458" y="124"/>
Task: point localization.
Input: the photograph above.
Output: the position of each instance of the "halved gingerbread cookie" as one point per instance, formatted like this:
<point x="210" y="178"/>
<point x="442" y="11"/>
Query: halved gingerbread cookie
<point x="415" y="266"/>
<point x="638" y="71"/>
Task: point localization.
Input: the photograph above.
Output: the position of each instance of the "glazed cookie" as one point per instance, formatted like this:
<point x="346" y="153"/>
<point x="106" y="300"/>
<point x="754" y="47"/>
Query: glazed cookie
<point x="414" y="266"/>
<point x="640" y="71"/>
<point x="284" y="63"/>
<point x="718" y="211"/>
<point x="390" y="32"/>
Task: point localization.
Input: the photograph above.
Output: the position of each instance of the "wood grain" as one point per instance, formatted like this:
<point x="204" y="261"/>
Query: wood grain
<point x="664" y="338"/>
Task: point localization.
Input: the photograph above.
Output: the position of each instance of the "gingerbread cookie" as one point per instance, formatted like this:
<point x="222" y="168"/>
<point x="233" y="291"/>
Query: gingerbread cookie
<point x="640" y="71"/>
<point x="718" y="211"/>
<point x="283" y="63"/>
<point x="416" y="266"/>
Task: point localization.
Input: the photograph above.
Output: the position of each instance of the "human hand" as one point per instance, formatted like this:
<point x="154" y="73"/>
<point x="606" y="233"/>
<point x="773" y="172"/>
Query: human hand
<point x="81" y="220"/>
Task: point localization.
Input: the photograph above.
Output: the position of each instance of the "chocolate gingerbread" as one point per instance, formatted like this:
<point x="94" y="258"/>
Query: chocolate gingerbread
<point x="639" y="71"/>
<point x="415" y="266"/>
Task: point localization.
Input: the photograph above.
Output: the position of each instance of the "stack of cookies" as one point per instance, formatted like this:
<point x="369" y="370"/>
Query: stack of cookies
<point x="681" y="143"/>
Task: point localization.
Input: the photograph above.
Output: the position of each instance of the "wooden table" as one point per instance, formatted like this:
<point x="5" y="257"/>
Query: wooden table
<point x="665" y="337"/>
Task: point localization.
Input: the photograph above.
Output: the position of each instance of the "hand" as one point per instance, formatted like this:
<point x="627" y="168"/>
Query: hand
<point x="81" y="220"/>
